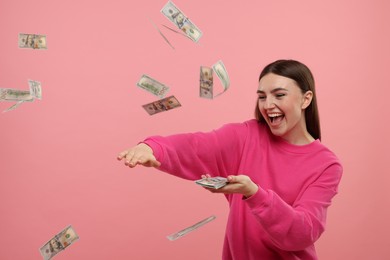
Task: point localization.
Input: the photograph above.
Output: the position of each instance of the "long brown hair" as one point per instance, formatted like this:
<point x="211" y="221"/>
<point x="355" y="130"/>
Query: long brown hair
<point x="299" y="72"/>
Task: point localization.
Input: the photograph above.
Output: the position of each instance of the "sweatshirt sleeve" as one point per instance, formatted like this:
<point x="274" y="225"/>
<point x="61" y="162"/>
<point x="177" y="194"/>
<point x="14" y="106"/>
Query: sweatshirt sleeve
<point x="293" y="228"/>
<point x="190" y="155"/>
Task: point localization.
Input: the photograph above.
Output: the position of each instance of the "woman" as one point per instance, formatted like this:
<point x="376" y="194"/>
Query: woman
<point x="281" y="177"/>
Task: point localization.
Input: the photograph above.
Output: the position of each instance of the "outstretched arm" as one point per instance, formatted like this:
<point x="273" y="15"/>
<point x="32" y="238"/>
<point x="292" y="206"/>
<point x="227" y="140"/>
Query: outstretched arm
<point x="190" y="155"/>
<point x="140" y="154"/>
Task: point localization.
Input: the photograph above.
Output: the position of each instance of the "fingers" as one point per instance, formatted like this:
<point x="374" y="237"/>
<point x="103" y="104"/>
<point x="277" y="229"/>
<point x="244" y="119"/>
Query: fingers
<point x="148" y="161"/>
<point x="232" y="179"/>
<point x="129" y="157"/>
<point x="155" y="163"/>
<point x="133" y="157"/>
<point x="122" y="154"/>
<point x="238" y="178"/>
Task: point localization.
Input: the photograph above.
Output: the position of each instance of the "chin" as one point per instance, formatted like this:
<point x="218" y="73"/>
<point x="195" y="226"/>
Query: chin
<point x="277" y="132"/>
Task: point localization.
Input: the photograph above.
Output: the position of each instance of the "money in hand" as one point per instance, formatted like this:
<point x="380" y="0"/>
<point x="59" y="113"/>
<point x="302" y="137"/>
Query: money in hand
<point x="153" y="86"/>
<point x="32" y="41"/>
<point x="187" y="230"/>
<point x="177" y="17"/>
<point x="162" y="105"/>
<point x="206" y="82"/>
<point x="58" y="243"/>
<point x="212" y="182"/>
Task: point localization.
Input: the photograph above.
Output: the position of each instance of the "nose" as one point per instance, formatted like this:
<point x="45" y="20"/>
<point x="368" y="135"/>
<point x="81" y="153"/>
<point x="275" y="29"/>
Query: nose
<point x="269" y="103"/>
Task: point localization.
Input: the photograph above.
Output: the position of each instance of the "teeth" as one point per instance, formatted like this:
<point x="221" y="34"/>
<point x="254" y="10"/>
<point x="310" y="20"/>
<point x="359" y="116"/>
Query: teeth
<point x="274" y="115"/>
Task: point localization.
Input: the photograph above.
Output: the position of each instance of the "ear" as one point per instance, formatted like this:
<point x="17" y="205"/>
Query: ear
<point x="306" y="99"/>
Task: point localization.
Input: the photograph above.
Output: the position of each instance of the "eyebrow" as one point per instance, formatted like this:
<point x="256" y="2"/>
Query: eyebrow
<point x="272" y="91"/>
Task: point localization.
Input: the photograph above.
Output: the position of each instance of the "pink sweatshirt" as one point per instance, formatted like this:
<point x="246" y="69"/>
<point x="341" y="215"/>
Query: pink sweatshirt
<point x="296" y="185"/>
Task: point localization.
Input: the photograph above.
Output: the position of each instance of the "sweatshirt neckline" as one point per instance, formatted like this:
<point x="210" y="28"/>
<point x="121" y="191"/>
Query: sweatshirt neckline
<point x="294" y="148"/>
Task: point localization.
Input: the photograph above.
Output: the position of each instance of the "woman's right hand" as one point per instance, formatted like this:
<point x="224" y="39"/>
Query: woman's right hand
<point x="140" y="154"/>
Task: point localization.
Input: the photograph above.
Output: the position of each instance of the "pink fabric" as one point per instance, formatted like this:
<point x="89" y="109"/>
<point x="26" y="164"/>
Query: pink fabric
<point x="296" y="185"/>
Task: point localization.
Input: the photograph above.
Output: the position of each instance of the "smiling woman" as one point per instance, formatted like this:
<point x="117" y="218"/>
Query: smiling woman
<point x="281" y="108"/>
<point x="287" y="91"/>
<point x="281" y="178"/>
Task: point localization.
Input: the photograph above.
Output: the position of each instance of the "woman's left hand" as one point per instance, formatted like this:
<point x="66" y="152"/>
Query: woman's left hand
<point x="237" y="184"/>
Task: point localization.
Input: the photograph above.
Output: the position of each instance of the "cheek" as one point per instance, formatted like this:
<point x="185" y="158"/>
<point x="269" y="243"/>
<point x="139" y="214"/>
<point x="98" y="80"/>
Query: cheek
<point x="261" y="108"/>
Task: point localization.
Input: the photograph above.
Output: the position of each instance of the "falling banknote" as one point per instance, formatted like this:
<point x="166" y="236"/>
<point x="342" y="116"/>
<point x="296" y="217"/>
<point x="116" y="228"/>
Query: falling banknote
<point x="32" y="41"/>
<point x="153" y="86"/>
<point x="176" y="16"/>
<point x="35" y="89"/>
<point x="58" y="243"/>
<point x="220" y="70"/>
<point x="162" y="35"/>
<point x="14" y="106"/>
<point x="21" y="96"/>
<point x="8" y="94"/>
<point x="162" y="105"/>
<point x="187" y="230"/>
<point x="206" y="80"/>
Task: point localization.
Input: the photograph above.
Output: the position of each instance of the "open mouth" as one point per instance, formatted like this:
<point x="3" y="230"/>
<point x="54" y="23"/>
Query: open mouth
<point x="275" y="118"/>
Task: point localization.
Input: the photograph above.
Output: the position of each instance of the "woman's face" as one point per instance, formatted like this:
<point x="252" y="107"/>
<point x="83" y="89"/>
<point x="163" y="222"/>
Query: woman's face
<point x="282" y="105"/>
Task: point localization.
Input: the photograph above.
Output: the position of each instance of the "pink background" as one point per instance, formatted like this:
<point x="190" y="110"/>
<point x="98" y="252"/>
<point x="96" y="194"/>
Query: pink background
<point x="58" y="155"/>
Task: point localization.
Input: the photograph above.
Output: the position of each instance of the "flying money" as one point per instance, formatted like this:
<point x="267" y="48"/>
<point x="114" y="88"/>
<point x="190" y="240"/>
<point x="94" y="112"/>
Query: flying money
<point x="32" y="41"/>
<point x="58" y="243"/>
<point x="177" y="17"/>
<point x="162" y="35"/>
<point x="220" y="70"/>
<point x="21" y="96"/>
<point x="153" y="86"/>
<point x="8" y="94"/>
<point x="14" y="106"/>
<point x="187" y="230"/>
<point x="35" y="89"/>
<point x="162" y="105"/>
<point x="206" y="82"/>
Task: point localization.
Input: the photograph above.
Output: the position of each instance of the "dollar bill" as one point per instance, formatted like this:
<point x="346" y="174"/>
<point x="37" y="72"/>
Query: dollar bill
<point x="32" y="41"/>
<point x="206" y="82"/>
<point x="206" y="89"/>
<point x="58" y="243"/>
<point x="153" y="86"/>
<point x="180" y="20"/>
<point x="187" y="230"/>
<point x="8" y="94"/>
<point x="162" y="35"/>
<point x="21" y="96"/>
<point x="14" y="106"/>
<point x="162" y="105"/>
<point x="220" y="70"/>
<point x="35" y="89"/>
<point x="212" y="182"/>
<point x="175" y="31"/>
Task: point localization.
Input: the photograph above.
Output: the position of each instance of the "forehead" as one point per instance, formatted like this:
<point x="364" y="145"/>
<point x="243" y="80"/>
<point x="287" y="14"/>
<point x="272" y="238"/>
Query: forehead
<point x="272" y="81"/>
